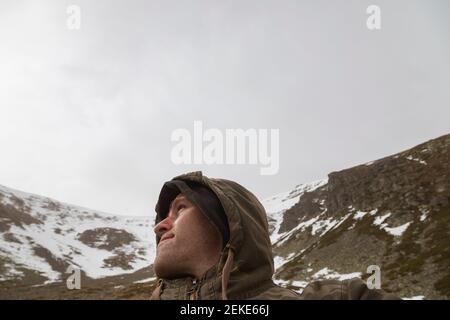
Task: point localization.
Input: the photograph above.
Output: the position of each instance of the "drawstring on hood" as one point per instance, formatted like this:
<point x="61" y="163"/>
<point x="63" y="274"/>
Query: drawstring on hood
<point x="156" y="294"/>
<point x="226" y="273"/>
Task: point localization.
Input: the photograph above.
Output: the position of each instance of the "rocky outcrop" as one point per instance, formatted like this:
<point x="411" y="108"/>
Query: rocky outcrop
<point x="393" y="213"/>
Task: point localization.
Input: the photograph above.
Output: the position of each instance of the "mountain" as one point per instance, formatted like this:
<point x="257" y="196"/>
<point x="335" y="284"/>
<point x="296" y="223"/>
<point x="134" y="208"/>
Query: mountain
<point x="393" y="213"/>
<point x="41" y="237"/>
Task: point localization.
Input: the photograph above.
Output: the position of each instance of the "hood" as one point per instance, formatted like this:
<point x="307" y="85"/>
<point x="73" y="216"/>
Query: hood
<point x="246" y="263"/>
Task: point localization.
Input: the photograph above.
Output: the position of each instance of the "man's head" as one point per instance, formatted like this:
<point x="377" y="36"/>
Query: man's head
<point x="190" y="231"/>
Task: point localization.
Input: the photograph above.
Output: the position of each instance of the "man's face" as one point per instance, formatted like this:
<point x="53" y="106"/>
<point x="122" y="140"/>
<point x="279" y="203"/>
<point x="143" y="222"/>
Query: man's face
<point x="189" y="242"/>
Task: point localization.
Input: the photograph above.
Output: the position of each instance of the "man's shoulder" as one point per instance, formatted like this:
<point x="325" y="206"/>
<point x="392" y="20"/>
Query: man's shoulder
<point x="276" y="292"/>
<point x="352" y="289"/>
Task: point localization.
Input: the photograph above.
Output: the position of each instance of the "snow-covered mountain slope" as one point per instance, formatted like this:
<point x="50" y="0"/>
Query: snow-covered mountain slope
<point x="41" y="237"/>
<point x="393" y="213"/>
<point x="277" y="205"/>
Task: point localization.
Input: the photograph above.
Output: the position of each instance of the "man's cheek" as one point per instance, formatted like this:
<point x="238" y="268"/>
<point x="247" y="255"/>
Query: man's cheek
<point x="182" y="224"/>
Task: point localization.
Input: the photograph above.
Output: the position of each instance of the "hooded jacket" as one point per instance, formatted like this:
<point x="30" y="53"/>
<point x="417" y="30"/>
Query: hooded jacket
<point x="245" y="267"/>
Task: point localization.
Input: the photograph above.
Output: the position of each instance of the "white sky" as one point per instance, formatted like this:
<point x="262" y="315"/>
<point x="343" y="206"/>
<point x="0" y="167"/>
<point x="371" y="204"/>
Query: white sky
<point x="86" y="116"/>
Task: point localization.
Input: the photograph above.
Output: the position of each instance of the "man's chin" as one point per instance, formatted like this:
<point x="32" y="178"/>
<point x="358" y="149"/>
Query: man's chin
<point x="164" y="263"/>
<point x="167" y="266"/>
<point x="165" y="271"/>
<point x="160" y="269"/>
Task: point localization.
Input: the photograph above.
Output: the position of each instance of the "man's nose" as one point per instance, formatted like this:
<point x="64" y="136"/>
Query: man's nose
<point x="163" y="226"/>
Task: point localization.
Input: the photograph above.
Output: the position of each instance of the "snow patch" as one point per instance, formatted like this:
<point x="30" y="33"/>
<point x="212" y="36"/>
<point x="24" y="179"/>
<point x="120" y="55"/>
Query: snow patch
<point x="278" y="261"/>
<point x="146" y="280"/>
<point x="424" y="215"/>
<point x="359" y="215"/>
<point x="397" y="231"/>
<point x="379" y="220"/>
<point x="327" y="273"/>
<point x="415" y="298"/>
<point x="416" y="159"/>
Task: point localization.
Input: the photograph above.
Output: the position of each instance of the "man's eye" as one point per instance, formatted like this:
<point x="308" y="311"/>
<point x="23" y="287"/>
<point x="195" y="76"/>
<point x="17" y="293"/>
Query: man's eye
<point x="181" y="207"/>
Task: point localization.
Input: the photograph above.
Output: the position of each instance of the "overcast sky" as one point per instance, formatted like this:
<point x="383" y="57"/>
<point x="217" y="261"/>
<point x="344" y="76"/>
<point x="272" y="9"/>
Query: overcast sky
<point x="86" y="116"/>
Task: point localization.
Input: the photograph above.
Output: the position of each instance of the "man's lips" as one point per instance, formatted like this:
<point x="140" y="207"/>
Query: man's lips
<point x="166" y="237"/>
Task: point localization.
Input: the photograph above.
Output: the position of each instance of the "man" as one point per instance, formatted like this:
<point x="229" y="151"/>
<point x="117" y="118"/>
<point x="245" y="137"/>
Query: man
<point x="213" y="243"/>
